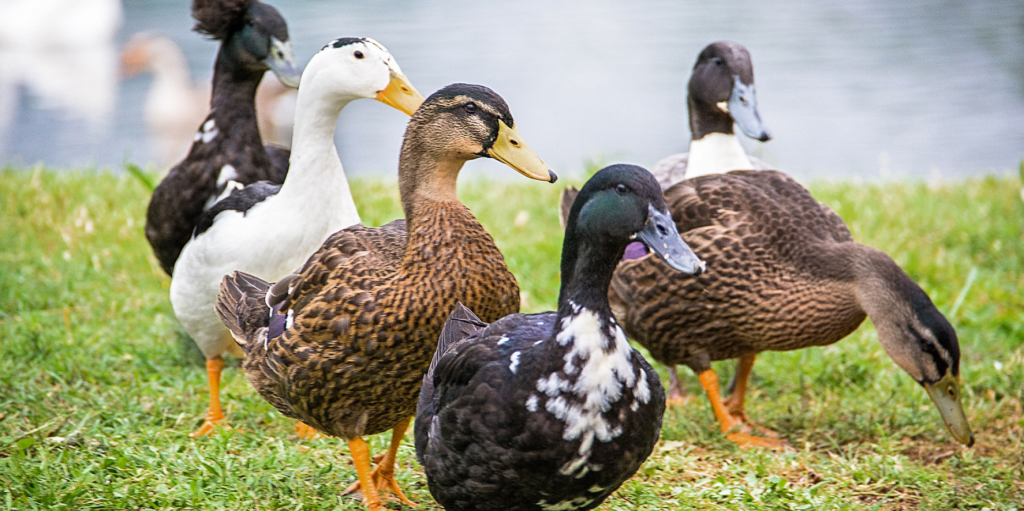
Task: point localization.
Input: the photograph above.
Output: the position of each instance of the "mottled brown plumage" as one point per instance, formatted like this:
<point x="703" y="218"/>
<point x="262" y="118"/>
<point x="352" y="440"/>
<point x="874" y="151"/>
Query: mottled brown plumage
<point x="783" y="273"/>
<point x="365" y="311"/>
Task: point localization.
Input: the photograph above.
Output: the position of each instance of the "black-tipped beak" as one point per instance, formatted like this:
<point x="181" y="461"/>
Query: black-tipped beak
<point x="743" y="109"/>
<point x="662" y="237"/>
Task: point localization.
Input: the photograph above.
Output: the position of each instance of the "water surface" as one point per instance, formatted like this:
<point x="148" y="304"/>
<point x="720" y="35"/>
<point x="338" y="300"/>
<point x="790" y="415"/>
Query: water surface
<point x="859" y="89"/>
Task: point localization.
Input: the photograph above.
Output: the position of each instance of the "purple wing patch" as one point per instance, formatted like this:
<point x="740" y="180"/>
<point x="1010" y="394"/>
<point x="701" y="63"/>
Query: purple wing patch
<point x="634" y="250"/>
<point x="277" y="322"/>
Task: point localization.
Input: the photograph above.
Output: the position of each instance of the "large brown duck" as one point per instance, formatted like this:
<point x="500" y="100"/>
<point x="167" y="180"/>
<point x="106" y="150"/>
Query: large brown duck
<point x="227" y="147"/>
<point x="354" y="330"/>
<point x="783" y="273"/>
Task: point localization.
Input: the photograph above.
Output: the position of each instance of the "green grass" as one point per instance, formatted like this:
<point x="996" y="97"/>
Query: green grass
<point x="99" y="385"/>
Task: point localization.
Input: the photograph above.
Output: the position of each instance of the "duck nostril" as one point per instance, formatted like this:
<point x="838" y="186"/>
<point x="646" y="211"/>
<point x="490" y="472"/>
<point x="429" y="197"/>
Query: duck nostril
<point x="514" y="142"/>
<point x="406" y="90"/>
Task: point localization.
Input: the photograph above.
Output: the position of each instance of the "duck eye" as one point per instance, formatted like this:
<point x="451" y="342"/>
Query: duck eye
<point x="718" y="61"/>
<point x="358" y="54"/>
<point x="471" y="107"/>
<point x="621" y="188"/>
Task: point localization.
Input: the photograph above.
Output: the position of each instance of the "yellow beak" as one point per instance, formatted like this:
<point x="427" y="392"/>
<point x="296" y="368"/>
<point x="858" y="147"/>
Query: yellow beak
<point x="510" y="149"/>
<point x="400" y="94"/>
<point x="945" y="393"/>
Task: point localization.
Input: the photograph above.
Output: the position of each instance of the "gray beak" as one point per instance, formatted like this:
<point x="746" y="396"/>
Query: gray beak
<point x="662" y="237"/>
<point x="282" y="63"/>
<point x="743" y="109"/>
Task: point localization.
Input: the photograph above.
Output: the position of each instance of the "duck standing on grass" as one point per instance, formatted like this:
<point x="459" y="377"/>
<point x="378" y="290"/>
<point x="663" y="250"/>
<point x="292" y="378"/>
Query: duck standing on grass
<point x="352" y="333"/>
<point x="269" y="230"/>
<point x="784" y="274"/>
<point x="227" y="149"/>
<point x="720" y="93"/>
<point x="552" y="410"/>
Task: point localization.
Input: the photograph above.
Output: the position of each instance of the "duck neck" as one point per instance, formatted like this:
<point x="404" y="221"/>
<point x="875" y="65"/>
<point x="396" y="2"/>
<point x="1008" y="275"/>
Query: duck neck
<point x="716" y="153"/>
<point x="587" y="268"/>
<point x="234" y="95"/>
<point x="315" y="173"/>
<point x="426" y="177"/>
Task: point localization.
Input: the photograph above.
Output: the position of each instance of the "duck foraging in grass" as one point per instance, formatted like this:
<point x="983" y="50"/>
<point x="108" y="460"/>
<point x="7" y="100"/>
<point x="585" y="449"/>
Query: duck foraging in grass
<point x="353" y="331"/>
<point x="552" y="410"/>
<point x="784" y="274"/>
<point x="269" y="230"/>
<point x="227" y="149"/>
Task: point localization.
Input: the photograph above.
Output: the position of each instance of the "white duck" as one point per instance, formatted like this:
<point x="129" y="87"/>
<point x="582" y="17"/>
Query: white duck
<point x="720" y="93"/>
<point x="269" y="230"/>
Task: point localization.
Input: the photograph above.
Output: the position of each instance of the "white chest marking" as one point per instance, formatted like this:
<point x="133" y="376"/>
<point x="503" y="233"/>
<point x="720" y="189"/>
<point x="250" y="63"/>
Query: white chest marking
<point x="604" y="365"/>
<point x="566" y="505"/>
<point x="716" y="153"/>
<point x="531" y="403"/>
<point x="515" y="362"/>
<point x="207" y="133"/>
<point x="227" y="173"/>
<point x="504" y="339"/>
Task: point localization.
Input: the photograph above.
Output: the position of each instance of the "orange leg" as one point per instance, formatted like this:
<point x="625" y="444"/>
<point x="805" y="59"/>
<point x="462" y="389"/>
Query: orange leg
<point x="738" y="390"/>
<point x="709" y="380"/>
<point x="361" y="457"/>
<point x="384" y="475"/>
<point x="214" y="415"/>
<point x="306" y="432"/>
<point x="677" y="395"/>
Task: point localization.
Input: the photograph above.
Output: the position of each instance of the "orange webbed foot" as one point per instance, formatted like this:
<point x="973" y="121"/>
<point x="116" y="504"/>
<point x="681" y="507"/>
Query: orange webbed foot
<point x="210" y="424"/>
<point x="306" y="432"/>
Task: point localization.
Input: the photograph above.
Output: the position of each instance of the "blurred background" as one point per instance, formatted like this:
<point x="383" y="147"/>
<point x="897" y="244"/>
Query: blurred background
<point x="859" y="89"/>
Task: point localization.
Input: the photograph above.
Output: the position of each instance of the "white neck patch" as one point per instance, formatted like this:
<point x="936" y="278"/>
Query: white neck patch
<point x="602" y="375"/>
<point x="716" y="153"/>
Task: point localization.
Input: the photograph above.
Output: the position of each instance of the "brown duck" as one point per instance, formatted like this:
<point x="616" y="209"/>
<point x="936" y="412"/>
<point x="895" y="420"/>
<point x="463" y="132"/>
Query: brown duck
<point x="354" y="330"/>
<point x="783" y="273"/>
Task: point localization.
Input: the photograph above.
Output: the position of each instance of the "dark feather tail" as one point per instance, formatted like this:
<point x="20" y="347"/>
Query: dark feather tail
<point x="565" y="201"/>
<point x="461" y="323"/>
<point x="242" y="307"/>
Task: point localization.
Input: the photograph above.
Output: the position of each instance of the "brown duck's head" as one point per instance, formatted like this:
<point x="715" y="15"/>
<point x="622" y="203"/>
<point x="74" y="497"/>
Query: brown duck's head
<point x="254" y="35"/>
<point x="721" y="91"/>
<point x="462" y="122"/>
<point x="918" y="338"/>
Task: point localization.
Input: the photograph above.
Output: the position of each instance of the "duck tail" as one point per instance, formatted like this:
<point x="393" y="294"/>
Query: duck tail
<point x="242" y="307"/>
<point x="565" y="200"/>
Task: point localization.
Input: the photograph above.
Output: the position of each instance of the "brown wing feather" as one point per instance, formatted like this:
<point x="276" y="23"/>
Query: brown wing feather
<point x="762" y="236"/>
<point x="367" y="313"/>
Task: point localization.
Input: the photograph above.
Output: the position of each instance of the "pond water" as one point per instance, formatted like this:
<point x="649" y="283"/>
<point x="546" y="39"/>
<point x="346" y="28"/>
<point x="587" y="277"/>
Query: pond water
<point x="862" y="88"/>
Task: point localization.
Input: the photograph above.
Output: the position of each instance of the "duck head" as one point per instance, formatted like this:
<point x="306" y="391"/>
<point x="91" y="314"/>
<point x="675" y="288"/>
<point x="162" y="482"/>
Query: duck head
<point x="458" y="123"/>
<point x="721" y="91"/>
<point x="255" y="36"/>
<point x="619" y="205"/>
<point x="351" y="68"/>
<point x="917" y="337"/>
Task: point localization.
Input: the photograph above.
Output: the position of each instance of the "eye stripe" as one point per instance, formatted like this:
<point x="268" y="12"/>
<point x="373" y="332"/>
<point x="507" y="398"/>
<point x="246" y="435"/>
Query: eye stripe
<point x="930" y="348"/>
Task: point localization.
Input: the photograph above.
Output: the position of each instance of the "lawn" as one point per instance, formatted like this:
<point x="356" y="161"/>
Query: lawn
<point x="99" y="385"/>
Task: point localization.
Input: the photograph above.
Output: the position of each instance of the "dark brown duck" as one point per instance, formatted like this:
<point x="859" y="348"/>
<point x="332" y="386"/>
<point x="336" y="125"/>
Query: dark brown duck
<point x="783" y="273"/>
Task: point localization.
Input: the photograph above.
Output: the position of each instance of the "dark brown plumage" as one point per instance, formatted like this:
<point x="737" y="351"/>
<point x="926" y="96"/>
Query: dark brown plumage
<point x="783" y="273"/>
<point x="362" y="317"/>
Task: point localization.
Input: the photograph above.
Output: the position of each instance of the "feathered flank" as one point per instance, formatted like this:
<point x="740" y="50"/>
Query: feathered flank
<point x="242" y="306"/>
<point x="217" y="18"/>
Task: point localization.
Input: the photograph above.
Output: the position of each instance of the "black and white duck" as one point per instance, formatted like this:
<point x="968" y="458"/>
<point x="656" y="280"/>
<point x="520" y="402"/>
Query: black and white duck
<point x="720" y="93"/>
<point x="227" y="149"/>
<point x="552" y="410"/>
<point x="269" y="230"/>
